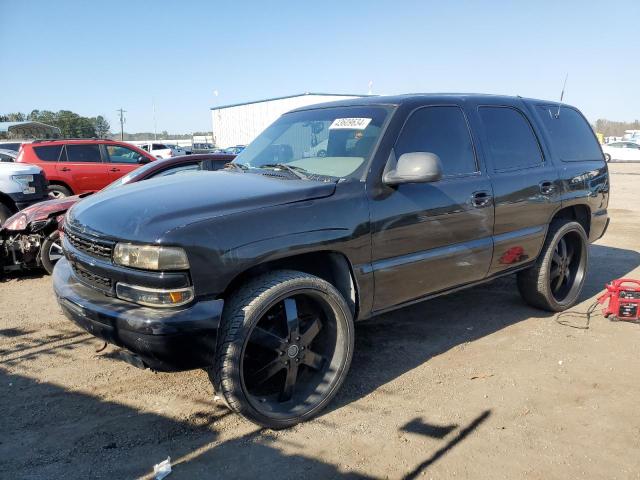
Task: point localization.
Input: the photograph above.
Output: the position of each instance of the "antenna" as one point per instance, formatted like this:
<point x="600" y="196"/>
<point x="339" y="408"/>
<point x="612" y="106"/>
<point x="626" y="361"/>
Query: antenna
<point x="562" y="94"/>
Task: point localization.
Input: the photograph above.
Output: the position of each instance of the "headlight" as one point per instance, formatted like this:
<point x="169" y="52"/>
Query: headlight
<point x="16" y="222"/>
<point x="24" y="181"/>
<point x="154" y="297"/>
<point x="150" y="257"/>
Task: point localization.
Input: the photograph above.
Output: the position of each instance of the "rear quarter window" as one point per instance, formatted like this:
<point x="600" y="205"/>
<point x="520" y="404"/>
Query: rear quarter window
<point x="49" y="153"/>
<point x="571" y="136"/>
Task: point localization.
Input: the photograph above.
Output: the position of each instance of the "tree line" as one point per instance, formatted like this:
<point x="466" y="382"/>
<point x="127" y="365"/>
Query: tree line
<point x="71" y="124"/>
<point x="610" y="128"/>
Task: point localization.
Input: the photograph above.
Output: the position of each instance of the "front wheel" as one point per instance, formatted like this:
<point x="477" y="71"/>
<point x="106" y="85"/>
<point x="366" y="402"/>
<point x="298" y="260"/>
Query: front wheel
<point x="555" y="281"/>
<point x="607" y="157"/>
<point x="51" y="251"/>
<point x="284" y="348"/>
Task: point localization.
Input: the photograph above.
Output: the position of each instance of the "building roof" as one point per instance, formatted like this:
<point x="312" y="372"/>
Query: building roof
<point x="28" y="129"/>
<point x="291" y="96"/>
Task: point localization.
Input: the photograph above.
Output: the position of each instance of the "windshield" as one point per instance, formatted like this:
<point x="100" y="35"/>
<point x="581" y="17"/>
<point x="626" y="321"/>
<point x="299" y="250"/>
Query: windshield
<point x="326" y="142"/>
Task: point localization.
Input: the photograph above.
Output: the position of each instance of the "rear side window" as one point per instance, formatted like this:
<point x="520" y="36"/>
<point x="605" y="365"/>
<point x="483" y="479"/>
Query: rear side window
<point x="571" y="136"/>
<point x="443" y="131"/>
<point x="49" y="153"/>
<point x="83" y="153"/>
<point x="511" y="140"/>
<point x="158" y="146"/>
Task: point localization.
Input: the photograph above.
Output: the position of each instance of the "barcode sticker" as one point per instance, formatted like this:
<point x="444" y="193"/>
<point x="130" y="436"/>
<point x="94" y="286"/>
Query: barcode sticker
<point x="350" y="124"/>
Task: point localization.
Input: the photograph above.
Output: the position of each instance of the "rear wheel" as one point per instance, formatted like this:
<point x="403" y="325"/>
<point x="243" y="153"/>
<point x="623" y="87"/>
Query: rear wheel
<point x="284" y="348"/>
<point x="58" y="191"/>
<point x="51" y="251"/>
<point x="607" y="157"/>
<point x="555" y="281"/>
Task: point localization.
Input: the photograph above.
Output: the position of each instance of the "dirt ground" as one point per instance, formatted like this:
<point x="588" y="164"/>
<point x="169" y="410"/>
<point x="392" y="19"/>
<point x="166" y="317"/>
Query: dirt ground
<point x="475" y="385"/>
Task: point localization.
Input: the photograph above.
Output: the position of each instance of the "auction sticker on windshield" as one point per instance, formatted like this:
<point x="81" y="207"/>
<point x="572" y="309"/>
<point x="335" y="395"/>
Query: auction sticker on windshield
<point x="350" y="124"/>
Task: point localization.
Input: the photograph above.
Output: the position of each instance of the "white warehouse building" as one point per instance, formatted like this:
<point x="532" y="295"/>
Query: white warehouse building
<point x="240" y="123"/>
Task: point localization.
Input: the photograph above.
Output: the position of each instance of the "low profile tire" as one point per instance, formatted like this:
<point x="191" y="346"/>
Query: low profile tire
<point x="284" y="348"/>
<point x="4" y="213"/>
<point x="555" y="281"/>
<point x="51" y="251"/>
<point x="607" y="157"/>
<point x="58" y="191"/>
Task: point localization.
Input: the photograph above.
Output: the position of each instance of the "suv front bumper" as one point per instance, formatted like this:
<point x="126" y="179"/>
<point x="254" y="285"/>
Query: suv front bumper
<point x="162" y="339"/>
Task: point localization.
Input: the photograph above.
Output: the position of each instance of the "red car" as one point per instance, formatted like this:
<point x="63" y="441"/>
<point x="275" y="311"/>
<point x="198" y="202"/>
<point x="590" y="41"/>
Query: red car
<point x="79" y="166"/>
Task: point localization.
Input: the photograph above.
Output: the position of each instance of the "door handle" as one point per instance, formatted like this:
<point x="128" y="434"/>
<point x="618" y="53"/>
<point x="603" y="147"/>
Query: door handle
<point x="547" y="187"/>
<point x="114" y="170"/>
<point x="65" y="169"/>
<point x="481" y="198"/>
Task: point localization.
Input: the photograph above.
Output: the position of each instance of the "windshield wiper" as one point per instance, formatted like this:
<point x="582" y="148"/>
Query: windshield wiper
<point x="236" y="166"/>
<point x="297" y="171"/>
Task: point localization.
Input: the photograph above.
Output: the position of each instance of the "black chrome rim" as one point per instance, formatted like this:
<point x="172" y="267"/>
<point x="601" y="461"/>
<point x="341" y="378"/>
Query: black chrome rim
<point x="292" y="356"/>
<point x="567" y="267"/>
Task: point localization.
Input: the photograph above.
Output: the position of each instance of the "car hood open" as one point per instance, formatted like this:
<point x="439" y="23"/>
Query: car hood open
<point x="144" y="211"/>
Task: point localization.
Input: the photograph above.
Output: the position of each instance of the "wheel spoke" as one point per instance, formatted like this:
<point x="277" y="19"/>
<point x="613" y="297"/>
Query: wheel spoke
<point x="557" y="259"/>
<point x="570" y="253"/>
<point x="290" y="382"/>
<point x="555" y="271"/>
<point x="311" y="332"/>
<point x="559" y="281"/>
<point x="563" y="248"/>
<point x="265" y="373"/>
<point x="266" y="339"/>
<point x="291" y="314"/>
<point x="313" y="360"/>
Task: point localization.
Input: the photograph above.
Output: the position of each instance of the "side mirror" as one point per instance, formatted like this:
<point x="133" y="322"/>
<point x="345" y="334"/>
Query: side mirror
<point x="415" y="167"/>
<point x="143" y="160"/>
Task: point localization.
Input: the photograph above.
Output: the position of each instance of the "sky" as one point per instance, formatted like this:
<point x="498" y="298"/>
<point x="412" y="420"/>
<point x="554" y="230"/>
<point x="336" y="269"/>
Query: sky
<point x="93" y="57"/>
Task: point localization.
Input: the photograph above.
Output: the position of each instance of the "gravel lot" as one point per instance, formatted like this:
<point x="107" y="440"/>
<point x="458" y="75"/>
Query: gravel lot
<point x="473" y="386"/>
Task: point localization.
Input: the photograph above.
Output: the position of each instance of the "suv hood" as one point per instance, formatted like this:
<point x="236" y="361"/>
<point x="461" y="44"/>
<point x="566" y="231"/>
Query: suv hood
<point x="144" y="211"/>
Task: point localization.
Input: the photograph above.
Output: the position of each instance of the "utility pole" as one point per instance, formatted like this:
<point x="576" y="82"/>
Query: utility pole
<point x="122" y="112"/>
<point x="155" y="124"/>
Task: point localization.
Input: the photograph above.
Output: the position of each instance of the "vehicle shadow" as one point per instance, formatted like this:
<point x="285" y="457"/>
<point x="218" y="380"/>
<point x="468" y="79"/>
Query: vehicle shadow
<point x="55" y="433"/>
<point x="21" y="275"/>
<point x="392" y="344"/>
<point x="51" y="432"/>
<point x="27" y="348"/>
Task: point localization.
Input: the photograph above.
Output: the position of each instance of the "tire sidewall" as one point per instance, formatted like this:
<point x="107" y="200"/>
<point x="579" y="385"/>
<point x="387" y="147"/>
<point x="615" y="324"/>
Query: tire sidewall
<point x="45" y="247"/>
<point x="548" y="254"/>
<point x="234" y="354"/>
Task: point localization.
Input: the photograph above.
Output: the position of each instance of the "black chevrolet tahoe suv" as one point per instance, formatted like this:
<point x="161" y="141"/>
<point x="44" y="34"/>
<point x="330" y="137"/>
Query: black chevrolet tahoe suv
<point x="335" y="213"/>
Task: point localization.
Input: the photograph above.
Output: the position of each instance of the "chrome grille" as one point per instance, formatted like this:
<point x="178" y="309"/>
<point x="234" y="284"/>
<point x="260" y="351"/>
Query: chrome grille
<point x="89" y="245"/>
